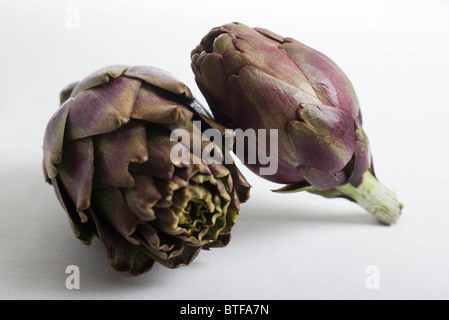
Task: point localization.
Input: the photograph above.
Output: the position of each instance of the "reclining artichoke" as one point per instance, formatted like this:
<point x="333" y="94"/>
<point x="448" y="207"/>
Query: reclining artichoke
<point x="107" y="155"/>
<point x="256" y="79"/>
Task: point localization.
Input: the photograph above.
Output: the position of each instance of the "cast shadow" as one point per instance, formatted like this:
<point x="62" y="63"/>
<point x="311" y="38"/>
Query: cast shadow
<point x="49" y="246"/>
<point x="37" y="244"/>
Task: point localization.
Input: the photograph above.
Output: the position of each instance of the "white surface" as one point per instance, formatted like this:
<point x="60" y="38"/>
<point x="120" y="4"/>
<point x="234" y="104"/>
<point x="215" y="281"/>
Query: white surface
<point x="296" y="246"/>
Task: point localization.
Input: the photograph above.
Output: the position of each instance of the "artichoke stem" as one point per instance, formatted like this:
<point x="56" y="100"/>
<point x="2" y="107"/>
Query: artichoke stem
<point x="373" y="196"/>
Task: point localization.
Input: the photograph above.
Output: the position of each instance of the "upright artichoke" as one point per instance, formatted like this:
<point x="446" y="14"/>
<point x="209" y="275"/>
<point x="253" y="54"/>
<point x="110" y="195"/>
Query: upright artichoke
<point x="255" y="79"/>
<point x="107" y="154"/>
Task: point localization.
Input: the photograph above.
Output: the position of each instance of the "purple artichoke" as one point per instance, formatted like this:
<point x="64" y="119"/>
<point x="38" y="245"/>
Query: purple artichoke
<point x="255" y="79"/>
<point x="107" y="154"/>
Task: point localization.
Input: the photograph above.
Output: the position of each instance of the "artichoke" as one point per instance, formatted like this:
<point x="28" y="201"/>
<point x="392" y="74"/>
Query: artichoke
<point x="107" y="155"/>
<point x="256" y="79"/>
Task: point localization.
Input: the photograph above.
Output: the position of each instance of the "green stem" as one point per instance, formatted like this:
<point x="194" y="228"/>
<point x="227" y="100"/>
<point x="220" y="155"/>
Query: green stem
<point x="375" y="198"/>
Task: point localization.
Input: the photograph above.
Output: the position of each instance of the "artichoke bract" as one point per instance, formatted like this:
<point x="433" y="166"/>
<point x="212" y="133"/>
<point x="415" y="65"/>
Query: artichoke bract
<point x="256" y="79"/>
<point x="107" y="155"/>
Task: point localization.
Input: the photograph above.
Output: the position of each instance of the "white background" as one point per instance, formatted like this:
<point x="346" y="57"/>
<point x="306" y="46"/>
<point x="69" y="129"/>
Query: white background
<point x="297" y="246"/>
